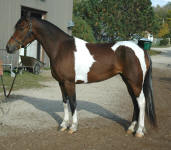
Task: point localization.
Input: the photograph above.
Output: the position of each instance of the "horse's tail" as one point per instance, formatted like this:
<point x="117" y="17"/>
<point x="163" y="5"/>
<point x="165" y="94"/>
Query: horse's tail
<point x="148" y="92"/>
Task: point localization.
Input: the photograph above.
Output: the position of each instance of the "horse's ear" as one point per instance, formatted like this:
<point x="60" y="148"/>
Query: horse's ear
<point x="28" y="16"/>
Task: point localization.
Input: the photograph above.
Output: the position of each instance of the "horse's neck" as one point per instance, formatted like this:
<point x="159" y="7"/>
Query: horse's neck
<point x="49" y="38"/>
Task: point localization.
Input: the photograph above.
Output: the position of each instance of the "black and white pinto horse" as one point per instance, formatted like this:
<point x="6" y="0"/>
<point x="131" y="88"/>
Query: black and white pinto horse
<point x="74" y="61"/>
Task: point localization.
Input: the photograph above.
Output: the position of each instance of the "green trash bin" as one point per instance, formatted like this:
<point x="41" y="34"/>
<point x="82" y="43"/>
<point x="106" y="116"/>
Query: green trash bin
<point x="145" y="43"/>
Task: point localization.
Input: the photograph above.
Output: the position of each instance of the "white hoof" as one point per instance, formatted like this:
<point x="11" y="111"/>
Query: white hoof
<point x="129" y="131"/>
<point x="63" y="129"/>
<point x="73" y="128"/>
<point x="71" y="131"/>
<point x="64" y="124"/>
<point x="139" y="135"/>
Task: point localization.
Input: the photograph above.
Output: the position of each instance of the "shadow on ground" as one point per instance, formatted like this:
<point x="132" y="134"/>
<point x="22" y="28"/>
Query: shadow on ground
<point x="51" y="107"/>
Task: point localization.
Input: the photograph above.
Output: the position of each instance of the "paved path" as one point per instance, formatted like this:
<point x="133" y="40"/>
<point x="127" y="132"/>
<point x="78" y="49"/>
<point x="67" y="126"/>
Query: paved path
<point x="164" y="59"/>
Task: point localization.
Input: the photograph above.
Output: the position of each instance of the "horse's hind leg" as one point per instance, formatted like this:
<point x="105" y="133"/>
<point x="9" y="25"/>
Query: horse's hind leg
<point x="140" y="128"/>
<point x="132" y="127"/>
<point x="65" y="123"/>
<point x="141" y="103"/>
<point x="137" y="95"/>
<point x="70" y="90"/>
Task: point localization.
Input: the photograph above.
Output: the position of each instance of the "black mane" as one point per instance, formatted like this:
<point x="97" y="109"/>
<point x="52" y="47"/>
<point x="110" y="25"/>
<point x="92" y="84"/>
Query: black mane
<point x="48" y="25"/>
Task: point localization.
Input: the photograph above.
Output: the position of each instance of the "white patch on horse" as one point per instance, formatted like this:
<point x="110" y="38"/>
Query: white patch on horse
<point x="66" y="112"/>
<point x="74" y="121"/>
<point x="141" y="104"/>
<point x="65" y="122"/>
<point x="83" y="60"/>
<point x="137" y="50"/>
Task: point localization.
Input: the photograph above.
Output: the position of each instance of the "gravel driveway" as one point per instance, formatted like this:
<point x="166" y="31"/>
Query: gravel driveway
<point x="164" y="59"/>
<point x="34" y="109"/>
<point x="29" y="119"/>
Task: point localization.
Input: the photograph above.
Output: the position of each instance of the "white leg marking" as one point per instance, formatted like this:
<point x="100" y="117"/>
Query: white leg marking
<point x="65" y="122"/>
<point x="141" y="104"/>
<point x="74" y="121"/>
<point x="137" y="50"/>
<point x="66" y="111"/>
<point x="132" y="126"/>
<point x="83" y="60"/>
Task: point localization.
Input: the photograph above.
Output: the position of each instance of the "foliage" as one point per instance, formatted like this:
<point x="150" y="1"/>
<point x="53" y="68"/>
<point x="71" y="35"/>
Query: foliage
<point x="164" y="42"/>
<point x="168" y="20"/>
<point x="157" y="23"/>
<point x="164" y="30"/>
<point x="164" y="17"/>
<point x="162" y="11"/>
<point x="113" y="19"/>
<point x="82" y="30"/>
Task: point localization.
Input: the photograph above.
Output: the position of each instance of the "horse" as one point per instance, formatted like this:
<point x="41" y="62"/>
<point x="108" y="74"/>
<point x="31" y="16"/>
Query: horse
<point x="75" y="61"/>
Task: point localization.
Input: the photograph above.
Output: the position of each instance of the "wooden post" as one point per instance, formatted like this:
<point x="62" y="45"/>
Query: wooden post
<point x="1" y="68"/>
<point x="25" y="51"/>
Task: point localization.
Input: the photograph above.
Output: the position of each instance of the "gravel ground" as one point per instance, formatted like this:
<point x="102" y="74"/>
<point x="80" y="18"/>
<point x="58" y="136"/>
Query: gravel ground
<point x="29" y="118"/>
<point x="34" y="109"/>
<point x="164" y="59"/>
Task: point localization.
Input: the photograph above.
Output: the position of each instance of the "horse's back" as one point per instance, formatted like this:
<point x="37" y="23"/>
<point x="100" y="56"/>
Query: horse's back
<point x="92" y="62"/>
<point x="122" y="57"/>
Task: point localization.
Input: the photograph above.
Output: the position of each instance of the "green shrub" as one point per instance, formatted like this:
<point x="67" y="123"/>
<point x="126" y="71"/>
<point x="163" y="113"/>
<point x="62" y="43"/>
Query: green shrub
<point x="164" y="42"/>
<point x="82" y="30"/>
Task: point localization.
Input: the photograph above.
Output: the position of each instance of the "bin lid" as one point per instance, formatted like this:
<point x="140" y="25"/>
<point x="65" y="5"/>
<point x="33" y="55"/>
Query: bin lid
<point x="145" y="39"/>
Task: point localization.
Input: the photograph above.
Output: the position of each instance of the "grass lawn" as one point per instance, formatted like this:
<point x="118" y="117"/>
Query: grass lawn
<point x="153" y="52"/>
<point x="25" y="80"/>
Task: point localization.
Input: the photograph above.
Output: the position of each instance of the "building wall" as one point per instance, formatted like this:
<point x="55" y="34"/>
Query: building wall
<point x="9" y="13"/>
<point x="59" y="12"/>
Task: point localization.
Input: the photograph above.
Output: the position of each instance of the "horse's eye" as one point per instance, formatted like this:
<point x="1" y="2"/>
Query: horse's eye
<point x="21" y="28"/>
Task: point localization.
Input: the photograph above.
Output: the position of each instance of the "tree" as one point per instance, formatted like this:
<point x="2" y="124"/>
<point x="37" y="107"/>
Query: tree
<point x="168" y="20"/>
<point x="162" y="11"/>
<point x="163" y="15"/>
<point x="157" y="23"/>
<point x="164" y="30"/>
<point x="82" y="30"/>
<point x="114" y="20"/>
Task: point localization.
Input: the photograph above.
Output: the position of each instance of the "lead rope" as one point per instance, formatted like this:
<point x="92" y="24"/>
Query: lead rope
<point x="3" y="86"/>
<point x="16" y="73"/>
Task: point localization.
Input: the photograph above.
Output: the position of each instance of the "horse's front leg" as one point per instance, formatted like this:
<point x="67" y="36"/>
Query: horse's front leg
<point x="65" y="123"/>
<point x="70" y="89"/>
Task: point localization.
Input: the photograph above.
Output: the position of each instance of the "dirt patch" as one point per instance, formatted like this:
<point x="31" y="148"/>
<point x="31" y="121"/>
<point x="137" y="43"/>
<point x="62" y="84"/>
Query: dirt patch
<point x="100" y="128"/>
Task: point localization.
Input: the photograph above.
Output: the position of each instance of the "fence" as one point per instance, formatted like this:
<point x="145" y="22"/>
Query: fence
<point x="9" y="60"/>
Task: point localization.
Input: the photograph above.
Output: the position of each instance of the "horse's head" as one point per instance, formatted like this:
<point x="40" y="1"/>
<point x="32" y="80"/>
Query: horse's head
<point x="22" y="36"/>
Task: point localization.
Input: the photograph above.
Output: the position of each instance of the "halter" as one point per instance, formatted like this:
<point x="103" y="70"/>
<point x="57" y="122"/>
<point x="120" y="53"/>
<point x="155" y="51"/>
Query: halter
<point x="21" y="43"/>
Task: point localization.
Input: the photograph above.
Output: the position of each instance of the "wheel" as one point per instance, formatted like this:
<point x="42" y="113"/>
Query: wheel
<point x="36" y="69"/>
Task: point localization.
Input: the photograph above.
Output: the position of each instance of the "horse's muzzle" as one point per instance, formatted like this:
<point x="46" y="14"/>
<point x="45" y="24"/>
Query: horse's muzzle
<point x="10" y="48"/>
